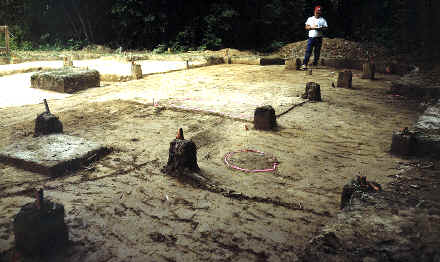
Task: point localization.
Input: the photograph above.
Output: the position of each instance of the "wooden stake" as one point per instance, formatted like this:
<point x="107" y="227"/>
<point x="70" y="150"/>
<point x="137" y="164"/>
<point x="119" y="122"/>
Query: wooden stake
<point x="7" y="40"/>
<point x="180" y="134"/>
<point x="46" y="105"/>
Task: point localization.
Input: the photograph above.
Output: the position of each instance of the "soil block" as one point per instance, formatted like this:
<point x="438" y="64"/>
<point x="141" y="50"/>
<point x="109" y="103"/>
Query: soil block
<point x="403" y="143"/>
<point x="368" y="70"/>
<point x="418" y="143"/>
<point x="312" y="92"/>
<point x="136" y="71"/>
<point x="427" y="145"/>
<point x="423" y="139"/>
<point x="345" y="79"/>
<point x="272" y="61"/>
<point x="298" y="64"/>
<point x="264" y="118"/>
<point x="245" y="60"/>
<point x="40" y="230"/>
<point x="66" y="80"/>
<point x="414" y="89"/>
<point x="293" y="64"/>
<point x="67" y="61"/>
<point x="52" y="155"/>
<point x="47" y="123"/>
<point x="182" y="158"/>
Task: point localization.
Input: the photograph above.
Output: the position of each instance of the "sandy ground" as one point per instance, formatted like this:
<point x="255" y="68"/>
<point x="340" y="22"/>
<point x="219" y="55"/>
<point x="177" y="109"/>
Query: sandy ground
<point x="16" y="85"/>
<point x="122" y="208"/>
<point x="16" y="91"/>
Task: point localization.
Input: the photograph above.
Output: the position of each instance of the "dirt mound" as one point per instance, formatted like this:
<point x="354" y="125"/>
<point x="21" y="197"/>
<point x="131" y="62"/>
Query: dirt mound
<point x="230" y="51"/>
<point x="337" y="48"/>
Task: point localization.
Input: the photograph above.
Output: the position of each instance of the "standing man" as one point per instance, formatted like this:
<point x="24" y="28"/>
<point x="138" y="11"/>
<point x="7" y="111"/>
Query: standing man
<point x="315" y="25"/>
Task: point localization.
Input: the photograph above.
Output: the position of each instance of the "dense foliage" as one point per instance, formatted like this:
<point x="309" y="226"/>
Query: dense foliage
<point x="190" y="24"/>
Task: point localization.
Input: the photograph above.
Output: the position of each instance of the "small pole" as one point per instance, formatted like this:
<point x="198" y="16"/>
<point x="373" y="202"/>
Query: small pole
<point x="39" y="195"/>
<point x="180" y="134"/>
<point x="246" y="128"/>
<point x="7" y="40"/>
<point x="46" y="105"/>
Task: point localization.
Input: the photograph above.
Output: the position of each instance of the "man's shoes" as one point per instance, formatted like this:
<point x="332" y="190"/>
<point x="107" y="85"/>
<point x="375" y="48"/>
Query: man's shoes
<point x="303" y="67"/>
<point x="314" y="63"/>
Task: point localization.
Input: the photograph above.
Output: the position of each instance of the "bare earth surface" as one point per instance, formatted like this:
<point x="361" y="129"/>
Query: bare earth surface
<point x="122" y="208"/>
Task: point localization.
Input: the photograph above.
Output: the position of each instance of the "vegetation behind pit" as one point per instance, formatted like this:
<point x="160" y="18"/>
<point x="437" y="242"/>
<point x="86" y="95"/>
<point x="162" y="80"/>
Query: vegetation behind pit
<point x="183" y="25"/>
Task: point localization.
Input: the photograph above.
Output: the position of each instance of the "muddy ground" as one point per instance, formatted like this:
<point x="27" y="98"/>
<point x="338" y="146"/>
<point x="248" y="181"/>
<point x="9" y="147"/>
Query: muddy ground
<point x="122" y="208"/>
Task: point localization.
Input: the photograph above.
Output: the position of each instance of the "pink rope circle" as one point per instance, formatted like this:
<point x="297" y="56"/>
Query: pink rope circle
<point x="228" y="156"/>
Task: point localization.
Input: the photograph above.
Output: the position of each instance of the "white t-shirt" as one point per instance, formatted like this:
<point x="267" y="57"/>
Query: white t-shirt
<point x="319" y="22"/>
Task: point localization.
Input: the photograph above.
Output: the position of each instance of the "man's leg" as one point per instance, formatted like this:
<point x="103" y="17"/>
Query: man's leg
<point x="317" y="51"/>
<point x="308" y="51"/>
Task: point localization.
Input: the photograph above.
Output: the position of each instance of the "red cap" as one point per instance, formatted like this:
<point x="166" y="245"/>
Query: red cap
<point x="318" y="7"/>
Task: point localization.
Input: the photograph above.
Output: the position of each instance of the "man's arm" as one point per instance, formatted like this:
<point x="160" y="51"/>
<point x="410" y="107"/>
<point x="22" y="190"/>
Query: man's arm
<point x="308" y="24"/>
<point x="324" y="26"/>
<point x="309" y="27"/>
<point x="312" y="27"/>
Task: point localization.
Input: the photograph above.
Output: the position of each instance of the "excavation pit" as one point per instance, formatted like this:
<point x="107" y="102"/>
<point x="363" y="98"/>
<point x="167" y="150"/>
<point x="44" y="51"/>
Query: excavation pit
<point x="319" y="146"/>
<point x="52" y="155"/>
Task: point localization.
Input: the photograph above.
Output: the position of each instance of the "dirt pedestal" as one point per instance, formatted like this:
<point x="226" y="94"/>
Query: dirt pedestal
<point x="136" y="71"/>
<point x="298" y="63"/>
<point x="213" y="60"/>
<point x="182" y="158"/>
<point x="272" y="61"/>
<point x="264" y="118"/>
<point x="293" y="64"/>
<point x="40" y="228"/>
<point x="66" y="80"/>
<point x="368" y="70"/>
<point x="403" y="143"/>
<point x="345" y="79"/>
<point x="53" y="154"/>
<point x="312" y="92"/>
<point x="67" y="62"/>
<point x="47" y="123"/>
<point x="250" y="60"/>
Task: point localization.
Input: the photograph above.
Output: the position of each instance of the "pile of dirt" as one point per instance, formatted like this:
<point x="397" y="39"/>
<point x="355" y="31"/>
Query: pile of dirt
<point x="98" y="49"/>
<point x="18" y="57"/>
<point x="235" y="52"/>
<point x="331" y="48"/>
<point x="338" y="48"/>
